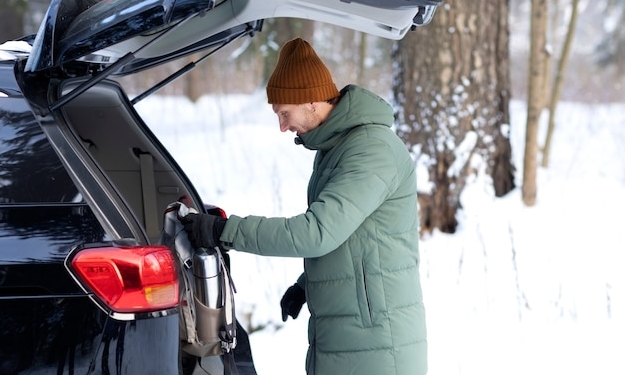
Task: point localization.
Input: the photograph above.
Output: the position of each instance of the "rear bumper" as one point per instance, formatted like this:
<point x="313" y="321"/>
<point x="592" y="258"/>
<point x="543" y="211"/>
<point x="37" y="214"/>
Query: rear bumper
<point x="72" y="335"/>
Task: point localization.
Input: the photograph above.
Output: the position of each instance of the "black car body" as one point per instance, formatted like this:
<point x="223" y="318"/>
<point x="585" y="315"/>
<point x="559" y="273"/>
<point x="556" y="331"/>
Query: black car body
<point x="84" y="286"/>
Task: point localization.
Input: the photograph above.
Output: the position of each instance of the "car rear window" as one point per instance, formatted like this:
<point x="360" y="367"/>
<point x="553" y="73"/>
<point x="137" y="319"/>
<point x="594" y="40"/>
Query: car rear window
<point x="30" y="170"/>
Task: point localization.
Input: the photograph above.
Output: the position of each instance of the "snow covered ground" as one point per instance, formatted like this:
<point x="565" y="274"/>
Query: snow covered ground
<point x="517" y="290"/>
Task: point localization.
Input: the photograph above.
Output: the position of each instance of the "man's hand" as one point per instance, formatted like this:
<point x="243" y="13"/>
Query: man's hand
<point x="292" y="302"/>
<point x="203" y="230"/>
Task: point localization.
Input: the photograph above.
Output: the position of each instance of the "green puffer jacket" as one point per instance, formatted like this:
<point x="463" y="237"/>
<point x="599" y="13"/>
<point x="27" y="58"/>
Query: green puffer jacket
<point x="359" y="238"/>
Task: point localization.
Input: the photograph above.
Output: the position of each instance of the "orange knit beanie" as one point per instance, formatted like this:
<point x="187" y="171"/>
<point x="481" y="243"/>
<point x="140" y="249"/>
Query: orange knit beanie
<point x="300" y="76"/>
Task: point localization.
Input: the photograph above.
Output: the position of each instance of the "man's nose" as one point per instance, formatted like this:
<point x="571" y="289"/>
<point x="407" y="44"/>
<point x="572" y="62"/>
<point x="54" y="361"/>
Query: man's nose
<point x="284" y="126"/>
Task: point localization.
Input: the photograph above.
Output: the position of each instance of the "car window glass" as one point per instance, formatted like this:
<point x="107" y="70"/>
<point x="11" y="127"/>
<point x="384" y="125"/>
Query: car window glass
<point x="30" y="170"/>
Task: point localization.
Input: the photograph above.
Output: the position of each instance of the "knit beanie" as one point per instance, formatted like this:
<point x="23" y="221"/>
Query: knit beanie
<point x="300" y="76"/>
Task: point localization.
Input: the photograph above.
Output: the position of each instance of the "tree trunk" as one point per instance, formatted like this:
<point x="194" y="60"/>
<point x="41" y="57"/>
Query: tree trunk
<point x="279" y="31"/>
<point x="195" y="87"/>
<point x="362" y="54"/>
<point x="535" y="101"/>
<point x="451" y="89"/>
<point x="11" y="19"/>
<point x="559" y="82"/>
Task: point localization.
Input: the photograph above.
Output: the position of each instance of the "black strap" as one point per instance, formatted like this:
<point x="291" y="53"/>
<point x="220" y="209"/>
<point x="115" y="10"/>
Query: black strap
<point x="228" y="335"/>
<point x="230" y="367"/>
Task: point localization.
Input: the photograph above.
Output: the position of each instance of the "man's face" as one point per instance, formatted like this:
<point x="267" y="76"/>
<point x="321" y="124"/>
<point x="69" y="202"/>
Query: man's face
<point x="297" y="118"/>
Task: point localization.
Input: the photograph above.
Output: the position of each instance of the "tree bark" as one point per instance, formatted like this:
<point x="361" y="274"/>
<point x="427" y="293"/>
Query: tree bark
<point x="11" y="19"/>
<point x="559" y="82"/>
<point x="195" y="87"/>
<point x="278" y="32"/>
<point x="535" y="101"/>
<point x="451" y="90"/>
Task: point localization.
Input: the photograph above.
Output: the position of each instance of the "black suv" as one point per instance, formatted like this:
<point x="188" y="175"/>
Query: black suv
<point x="84" y="286"/>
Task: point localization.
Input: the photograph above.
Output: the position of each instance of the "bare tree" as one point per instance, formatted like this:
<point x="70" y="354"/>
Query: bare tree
<point x="195" y="80"/>
<point x="536" y="97"/>
<point x="277" y="32"/>
<point x="611" y="49"/>
<point x="452" y="90"/>
<point x="362" y="54"/>
<point x="11" y="19"/>
<point x="559" y="81"/>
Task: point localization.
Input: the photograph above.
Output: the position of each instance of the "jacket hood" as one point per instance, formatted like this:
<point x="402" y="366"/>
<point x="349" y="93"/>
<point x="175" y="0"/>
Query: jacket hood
<point x="357" y="107"/>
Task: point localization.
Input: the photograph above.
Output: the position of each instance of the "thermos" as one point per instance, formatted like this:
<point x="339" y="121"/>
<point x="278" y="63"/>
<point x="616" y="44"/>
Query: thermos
<point x="205" y="271"/>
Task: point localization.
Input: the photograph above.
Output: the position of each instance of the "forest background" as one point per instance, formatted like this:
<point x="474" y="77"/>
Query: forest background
<point x="564" y="290"/>
<point x="450" y="82"/>
<point x="595" y="71"/>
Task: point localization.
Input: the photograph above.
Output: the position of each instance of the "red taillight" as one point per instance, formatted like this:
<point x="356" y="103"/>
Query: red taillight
<point x="130" y="279"/>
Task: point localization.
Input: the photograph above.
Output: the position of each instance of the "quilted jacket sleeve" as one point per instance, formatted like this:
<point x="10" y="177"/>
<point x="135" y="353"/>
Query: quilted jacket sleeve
<point x="346" y="188"/>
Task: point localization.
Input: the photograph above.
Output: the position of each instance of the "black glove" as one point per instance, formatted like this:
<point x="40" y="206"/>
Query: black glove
<point x="203" y="230"/>
<point x="292" y="301"/>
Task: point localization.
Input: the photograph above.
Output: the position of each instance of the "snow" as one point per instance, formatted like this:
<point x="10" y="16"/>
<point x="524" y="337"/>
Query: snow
<point x="516" y="290"/>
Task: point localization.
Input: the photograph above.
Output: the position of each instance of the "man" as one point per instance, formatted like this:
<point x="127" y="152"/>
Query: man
<point x="359" y="235"/>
